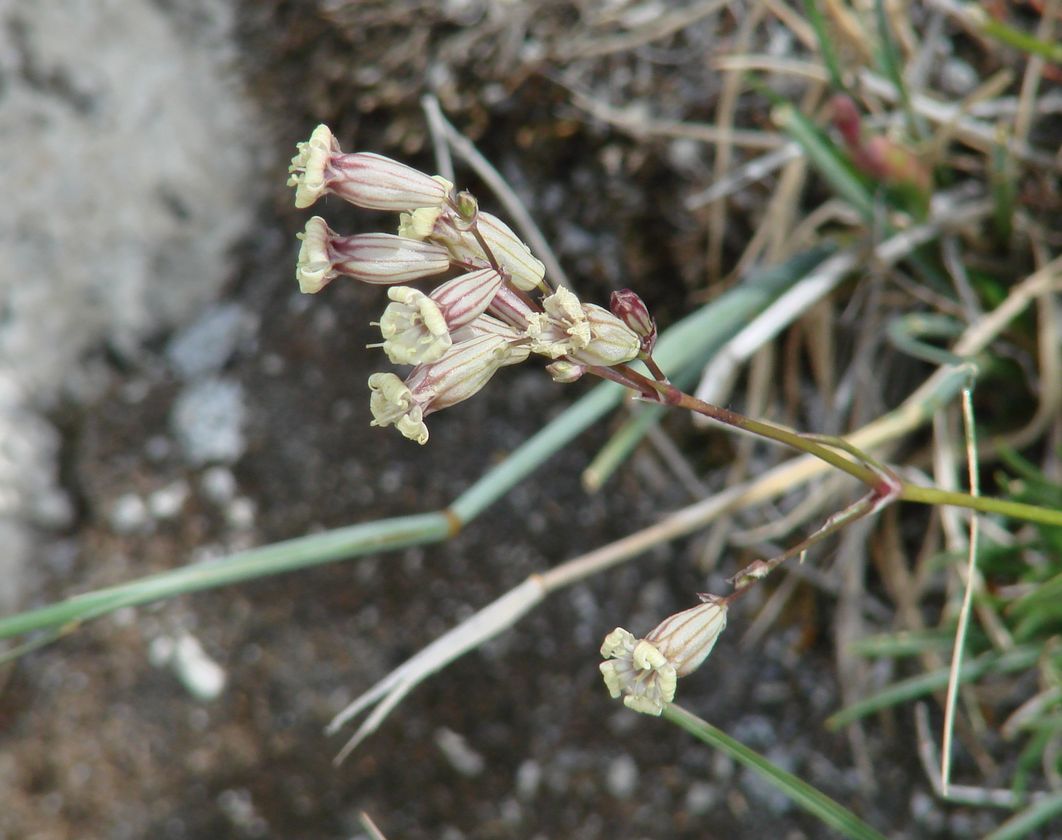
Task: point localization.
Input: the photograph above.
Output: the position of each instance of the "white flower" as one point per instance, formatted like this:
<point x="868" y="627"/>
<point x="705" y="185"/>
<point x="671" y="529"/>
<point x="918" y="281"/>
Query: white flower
<point x="561" y="329"/>
<point x="611" y="341"/>
<point x="638" y="672"/>
<point x="315" y="269"/>
<point x="365" y="179"/>
<point x="645" y="671"/>
<point x="308" y="166"/>
<point x="413" y="328"/>
<point x="392" y="403"/>
<point x="459" y="374"/>
<point x="378" y="258"/>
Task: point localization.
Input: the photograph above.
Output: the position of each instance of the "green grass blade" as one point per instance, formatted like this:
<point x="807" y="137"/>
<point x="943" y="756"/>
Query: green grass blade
<point x="1025" y="822"/>
<point x="892" y="64"/>
<point x="1048" y="50"/>
<point x="897" y="645"/>
<point x="826" y="158"/>
<point x="829" y="54"/>
<point x="812" y="800"/>
<point x="286" y="556"/>
<point x="913" y="688"/>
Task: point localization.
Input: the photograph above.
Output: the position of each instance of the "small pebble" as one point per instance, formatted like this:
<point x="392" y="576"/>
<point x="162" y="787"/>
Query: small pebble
<point x="461" y="756"/>
<point x="129" y="514"/>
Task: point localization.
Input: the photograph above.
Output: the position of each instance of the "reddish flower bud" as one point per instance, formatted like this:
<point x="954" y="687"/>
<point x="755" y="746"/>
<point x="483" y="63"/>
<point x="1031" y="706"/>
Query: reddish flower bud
<point x="632" y="311"/>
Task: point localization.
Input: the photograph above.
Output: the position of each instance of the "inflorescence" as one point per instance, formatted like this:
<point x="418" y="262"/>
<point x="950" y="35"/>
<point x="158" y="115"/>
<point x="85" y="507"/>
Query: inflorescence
<point x="494" y="308"/>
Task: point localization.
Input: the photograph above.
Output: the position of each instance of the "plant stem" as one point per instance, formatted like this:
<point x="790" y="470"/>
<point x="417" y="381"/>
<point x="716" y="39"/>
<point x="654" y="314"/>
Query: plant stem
<point x="985" y="504"/>
<point x="668" y="394"/>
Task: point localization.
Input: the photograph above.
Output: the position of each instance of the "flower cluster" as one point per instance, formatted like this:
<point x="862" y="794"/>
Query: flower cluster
<point x="644" y="672"/>
<point x="495" y="308"/>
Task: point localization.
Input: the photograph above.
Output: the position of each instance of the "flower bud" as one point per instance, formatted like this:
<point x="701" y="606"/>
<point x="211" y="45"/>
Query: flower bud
<point x="565" y="372"/>
<point x="467" y="206"/>
<point x="364" y="179"/>
<point x="846" y="119"/>
<point x="877" y="156"/>
<point x="645" y="671"/>
<point x="632" y="311"/>
<point x="378" y="258"/>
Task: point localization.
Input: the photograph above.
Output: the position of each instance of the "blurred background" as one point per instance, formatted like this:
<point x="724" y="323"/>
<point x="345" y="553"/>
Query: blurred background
<point x="167" y="396"/>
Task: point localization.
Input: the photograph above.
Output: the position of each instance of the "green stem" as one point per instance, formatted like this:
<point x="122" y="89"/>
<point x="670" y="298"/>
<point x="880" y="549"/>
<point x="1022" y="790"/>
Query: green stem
<point x="670" y="395"/>
<point x="985" y="504"/>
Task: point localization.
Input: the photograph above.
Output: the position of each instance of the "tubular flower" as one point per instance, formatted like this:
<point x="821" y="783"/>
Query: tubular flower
<point x="465" y="298"/>
<point x="364" y="179"/>
<point x="446" y="227"/>
<point x="417" y="327"/>
<point x="581" y="331"/>
<point x="645" y="671"/>
<point x="377" y="258"/>
<point x="459" y="374"/>
<point x="525" y="270"/>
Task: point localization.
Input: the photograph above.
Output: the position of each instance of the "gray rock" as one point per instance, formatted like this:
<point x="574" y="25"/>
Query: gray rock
<point x="133" y="179"/>
<point x="207" y="344"/>
<point x="208" y="420"/>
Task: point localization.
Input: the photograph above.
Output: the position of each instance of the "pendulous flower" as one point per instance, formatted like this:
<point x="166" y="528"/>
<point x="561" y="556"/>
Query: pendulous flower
<point x="378" y="258"/>
<point x="645" y="672"/>
<point x="445" y="226"/>
<point x="364" y="179"/>
<point x="459" y="374"/>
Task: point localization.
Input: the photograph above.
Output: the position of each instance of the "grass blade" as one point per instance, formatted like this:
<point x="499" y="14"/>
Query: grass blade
<point x="811" y="799"/>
